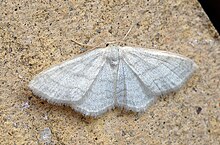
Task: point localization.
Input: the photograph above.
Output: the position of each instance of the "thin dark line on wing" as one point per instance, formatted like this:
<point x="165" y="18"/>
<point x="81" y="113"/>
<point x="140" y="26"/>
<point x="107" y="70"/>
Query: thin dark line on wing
<point x="144" y="87"/>
<point x="160" y="61"/>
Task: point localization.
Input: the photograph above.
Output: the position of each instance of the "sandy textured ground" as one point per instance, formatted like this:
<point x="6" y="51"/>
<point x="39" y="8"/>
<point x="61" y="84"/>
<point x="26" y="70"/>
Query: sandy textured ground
<point x="35" y="34"/>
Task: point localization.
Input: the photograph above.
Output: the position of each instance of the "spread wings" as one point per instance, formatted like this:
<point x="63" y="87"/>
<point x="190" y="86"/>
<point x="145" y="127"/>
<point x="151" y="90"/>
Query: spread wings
<point x="90" y="85"/>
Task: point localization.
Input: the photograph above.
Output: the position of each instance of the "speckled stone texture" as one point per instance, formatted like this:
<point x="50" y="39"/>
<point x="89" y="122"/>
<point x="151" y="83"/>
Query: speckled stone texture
<point x="37" y="34"/>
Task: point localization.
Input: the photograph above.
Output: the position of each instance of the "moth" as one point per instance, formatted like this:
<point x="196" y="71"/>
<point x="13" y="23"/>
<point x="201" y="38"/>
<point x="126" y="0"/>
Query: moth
<point x="115" y="76"/>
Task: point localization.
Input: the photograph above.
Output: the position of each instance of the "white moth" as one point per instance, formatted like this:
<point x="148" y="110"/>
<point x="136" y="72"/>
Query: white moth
<point x="126" y="77"/>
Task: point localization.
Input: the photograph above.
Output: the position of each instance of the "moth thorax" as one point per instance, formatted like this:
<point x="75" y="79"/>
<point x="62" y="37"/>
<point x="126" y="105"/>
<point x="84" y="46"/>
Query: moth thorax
<point x="113" y="56"/>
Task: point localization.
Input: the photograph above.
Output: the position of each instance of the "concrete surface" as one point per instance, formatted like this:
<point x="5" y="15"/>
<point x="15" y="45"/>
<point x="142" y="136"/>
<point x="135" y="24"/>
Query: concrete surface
<point x="36" y="34"/>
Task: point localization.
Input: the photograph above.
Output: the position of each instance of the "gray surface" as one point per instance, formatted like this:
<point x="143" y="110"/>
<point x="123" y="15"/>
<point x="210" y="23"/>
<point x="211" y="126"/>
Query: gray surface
<point x="102" y="79"/>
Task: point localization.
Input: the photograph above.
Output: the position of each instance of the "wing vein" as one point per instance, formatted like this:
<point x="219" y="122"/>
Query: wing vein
<point x="90" y="87"/>
<point x="146" y="89"/>
<point x="160" y="61"/>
